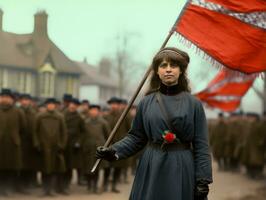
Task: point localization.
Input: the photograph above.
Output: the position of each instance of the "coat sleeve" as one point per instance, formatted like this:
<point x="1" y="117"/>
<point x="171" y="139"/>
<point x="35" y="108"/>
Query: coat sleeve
<point x="135" y="140"/>
<point x="202" y="158"/>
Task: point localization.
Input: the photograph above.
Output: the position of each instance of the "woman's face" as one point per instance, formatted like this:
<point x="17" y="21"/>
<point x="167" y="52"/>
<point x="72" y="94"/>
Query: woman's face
<point x="168" y="73"/>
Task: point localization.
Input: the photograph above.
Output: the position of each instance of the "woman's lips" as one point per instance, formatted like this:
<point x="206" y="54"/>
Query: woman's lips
<point x="168" y="76"/>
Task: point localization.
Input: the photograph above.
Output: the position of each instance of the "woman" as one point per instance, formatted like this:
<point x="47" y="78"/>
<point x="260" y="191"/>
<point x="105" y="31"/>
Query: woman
<point x="176" y="163"/>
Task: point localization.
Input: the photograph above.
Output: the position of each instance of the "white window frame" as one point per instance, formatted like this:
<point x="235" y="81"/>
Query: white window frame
<point x="47" y="80"/>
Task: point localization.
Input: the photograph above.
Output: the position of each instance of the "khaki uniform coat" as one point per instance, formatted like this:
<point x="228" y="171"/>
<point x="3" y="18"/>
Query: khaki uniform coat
<point x="255" y="145"/>
<point x="51" y="139"/>
<point x="234" y="131"/>
<point x="29" y="154"/>
<point x="112" y="118"/>
<point x="12" y="127"/>
<point x="75" y="132"/>
<point x="97" y="131"/>
<point x="218" y="139"/>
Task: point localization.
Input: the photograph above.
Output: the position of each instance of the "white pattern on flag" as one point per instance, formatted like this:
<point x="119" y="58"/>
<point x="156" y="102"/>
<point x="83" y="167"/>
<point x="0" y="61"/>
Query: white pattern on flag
<point x="230" y="78"/>
<point x="226" y="98"/>
<point x="257" y="19"/>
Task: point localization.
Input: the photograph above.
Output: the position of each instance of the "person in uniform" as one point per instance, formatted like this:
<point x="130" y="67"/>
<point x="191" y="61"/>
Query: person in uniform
<point x="219" y="131"/>
<point x="255" y="147"/>
<point x="97" y="132"/>
<point x="50" y="139"/>
<point x="176" y="164"/>
<point x="30" y="167"/>
<point x="75" y="133"/>
<point x="234" y="132"/>
<point x="12" y="128"/>
<point x="84" y="108"/>
<point x="112" y="118"/>
<point x="66" y="99"/>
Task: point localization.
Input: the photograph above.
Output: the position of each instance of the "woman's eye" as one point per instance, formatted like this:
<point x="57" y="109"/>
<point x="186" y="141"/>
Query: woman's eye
<point x="163" y="65"/>
<point x="174" y="64"/>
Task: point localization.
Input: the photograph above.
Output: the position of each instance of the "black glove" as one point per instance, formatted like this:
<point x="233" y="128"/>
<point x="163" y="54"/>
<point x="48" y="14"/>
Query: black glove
<point x="107" y="153"/>
<point x="201" y="190"/>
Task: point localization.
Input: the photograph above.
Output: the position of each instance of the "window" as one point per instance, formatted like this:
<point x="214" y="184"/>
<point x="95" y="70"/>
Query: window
<point x="3" y="78"/>
<point x="28" y="83"/>
<point x="71" y="85"/>
<point x="25" y="82"/>
<point x="47" y="80"/>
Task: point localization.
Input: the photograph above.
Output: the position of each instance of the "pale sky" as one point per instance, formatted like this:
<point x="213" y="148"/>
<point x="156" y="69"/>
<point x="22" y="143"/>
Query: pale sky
<point x="89" y="28"/>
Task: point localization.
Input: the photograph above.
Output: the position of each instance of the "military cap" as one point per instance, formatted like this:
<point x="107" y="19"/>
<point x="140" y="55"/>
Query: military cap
<point x="50" y="100"/>
<point x="85" y="101"/>
<point x="75" y="101"/>
<point x="25" y="96"/>
<point x="95" y="106"/>
<point x="7" y="92"/>
<point x="67" y="97"/>
<point x="114" y="100"/>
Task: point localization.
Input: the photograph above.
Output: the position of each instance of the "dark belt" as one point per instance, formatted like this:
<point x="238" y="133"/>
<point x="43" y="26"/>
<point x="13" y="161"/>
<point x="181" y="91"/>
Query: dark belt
<point x="170" y="146"/>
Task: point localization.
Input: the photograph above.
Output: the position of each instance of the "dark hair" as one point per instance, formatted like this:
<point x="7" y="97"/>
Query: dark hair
<point x="173" y="55"/>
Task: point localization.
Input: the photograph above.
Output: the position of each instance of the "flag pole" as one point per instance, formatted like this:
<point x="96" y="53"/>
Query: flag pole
<point x="125" y="112"/>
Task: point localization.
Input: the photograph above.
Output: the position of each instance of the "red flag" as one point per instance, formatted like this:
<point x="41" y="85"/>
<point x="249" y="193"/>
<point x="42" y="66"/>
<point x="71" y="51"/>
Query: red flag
<point x="226" y="90"/>
<point x="233" y="32"/>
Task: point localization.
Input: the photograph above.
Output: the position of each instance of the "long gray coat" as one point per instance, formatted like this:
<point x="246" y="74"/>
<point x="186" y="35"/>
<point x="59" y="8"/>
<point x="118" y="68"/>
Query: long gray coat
<point x="161" y="174"/>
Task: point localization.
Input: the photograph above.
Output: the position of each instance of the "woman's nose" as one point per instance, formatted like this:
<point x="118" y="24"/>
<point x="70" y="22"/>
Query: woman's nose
<point x="168" y="68"/>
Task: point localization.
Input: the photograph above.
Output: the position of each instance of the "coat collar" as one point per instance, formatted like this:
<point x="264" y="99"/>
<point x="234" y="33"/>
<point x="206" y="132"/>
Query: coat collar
<point x="169" y="90"/>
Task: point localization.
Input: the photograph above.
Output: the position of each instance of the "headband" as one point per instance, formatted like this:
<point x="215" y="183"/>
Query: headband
<point x="169" y="50"/>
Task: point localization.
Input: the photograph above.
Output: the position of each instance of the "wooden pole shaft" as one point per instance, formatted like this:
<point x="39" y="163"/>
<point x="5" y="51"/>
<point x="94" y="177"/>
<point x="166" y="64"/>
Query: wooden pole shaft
<point x="125" y="112"/>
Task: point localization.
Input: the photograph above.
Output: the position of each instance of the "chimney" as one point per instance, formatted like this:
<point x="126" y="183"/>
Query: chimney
<point x="40" y="23"/>
<point x="105" y="66"/>
<point x="1" y="19"/>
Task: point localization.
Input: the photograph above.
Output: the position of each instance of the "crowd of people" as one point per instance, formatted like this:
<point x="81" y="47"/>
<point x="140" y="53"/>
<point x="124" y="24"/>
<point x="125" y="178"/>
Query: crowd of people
<point x="42" y="143"/>
<point x="239" y="142"/>
<point x="52" y="139"/>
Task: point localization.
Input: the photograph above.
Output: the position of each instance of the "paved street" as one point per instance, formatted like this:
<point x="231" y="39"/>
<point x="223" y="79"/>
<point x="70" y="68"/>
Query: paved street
<point x="226" y="186"/>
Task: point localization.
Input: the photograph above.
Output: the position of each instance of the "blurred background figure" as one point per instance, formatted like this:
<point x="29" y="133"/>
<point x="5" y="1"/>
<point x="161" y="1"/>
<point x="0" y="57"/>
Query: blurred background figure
<point x="12" y="129"/>
<point x="75" y="133"/>
<point x="97" y="132"/>
<point x="84" y="108"/>
<point x="66" y="100"/>
<point x="254" y="149"/>
<point x="51" y="140"/>
<point x="217" y="139"/>
<point x="28" y="174"/>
